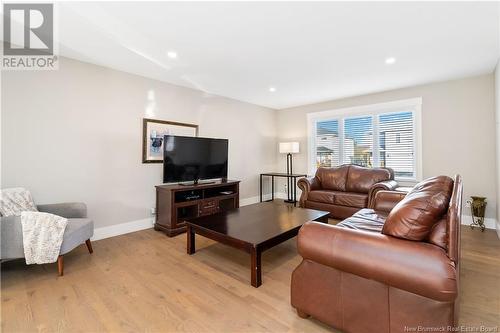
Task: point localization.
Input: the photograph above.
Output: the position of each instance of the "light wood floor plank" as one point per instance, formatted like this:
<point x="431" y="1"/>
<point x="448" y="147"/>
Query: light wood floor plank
<point x="145" y="281"/>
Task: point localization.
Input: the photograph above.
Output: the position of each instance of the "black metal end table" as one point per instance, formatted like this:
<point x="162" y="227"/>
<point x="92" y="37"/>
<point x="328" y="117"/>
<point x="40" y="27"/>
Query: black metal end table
<point x="292" y="185"/>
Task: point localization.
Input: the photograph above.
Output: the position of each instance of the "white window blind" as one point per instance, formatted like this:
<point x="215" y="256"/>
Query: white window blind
<point x="327" y="144"/>
<point x="373" y="140"/>
<point x="358" y="141"/>
<point x="396" y="137"/>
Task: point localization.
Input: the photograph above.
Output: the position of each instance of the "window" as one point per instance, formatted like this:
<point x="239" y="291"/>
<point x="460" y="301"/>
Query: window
<point x="381" y="135"/>
<point x="397" y="151"/>
<point x="327" y="144"/>
<point x="358" y="141"/>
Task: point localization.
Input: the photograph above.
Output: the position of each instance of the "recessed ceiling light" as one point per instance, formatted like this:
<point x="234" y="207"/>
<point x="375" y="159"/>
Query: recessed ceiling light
<point x="272" y="89"/>
<point x="172" y="54"/>
<point x="390" y="60"/>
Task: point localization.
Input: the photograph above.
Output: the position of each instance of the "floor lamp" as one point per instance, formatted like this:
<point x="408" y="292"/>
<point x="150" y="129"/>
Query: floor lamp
<point x="289" y="148"/>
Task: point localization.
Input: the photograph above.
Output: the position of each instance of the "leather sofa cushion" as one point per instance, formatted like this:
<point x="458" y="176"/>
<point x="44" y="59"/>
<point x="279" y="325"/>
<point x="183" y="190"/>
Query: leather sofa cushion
<point x="438" y="234"/>
<point x="365" y="220"/>
<point x="361" y="179"/>
<point x="321" y="196"/>
<point x="414" y="216"/>
<point x="351" y="199"/>
<point x="333" y="178"/>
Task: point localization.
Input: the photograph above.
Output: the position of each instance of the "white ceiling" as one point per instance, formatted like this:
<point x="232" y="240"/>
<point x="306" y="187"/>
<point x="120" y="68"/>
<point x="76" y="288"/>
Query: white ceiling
<point x="310" y="52"/>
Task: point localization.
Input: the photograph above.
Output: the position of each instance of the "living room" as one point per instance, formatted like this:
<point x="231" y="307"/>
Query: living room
<point x="250" y="166"/>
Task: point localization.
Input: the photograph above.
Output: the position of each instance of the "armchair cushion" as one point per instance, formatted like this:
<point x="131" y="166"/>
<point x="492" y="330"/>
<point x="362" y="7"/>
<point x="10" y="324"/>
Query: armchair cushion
<point x="414" y="216"/>
<point x="67" y="209"/>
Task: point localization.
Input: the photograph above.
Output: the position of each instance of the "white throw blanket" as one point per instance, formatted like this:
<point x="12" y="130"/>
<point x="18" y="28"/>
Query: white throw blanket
<point x="42" y="236"/>
<point x="15" y="200"/>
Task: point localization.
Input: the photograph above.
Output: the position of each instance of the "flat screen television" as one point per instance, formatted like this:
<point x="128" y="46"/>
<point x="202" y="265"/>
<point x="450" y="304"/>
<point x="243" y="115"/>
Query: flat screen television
<point x="187" y="159"/>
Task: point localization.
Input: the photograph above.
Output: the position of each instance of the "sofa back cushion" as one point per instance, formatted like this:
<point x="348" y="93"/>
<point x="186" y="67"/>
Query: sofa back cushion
<point x="333" y="179"/>
<point x="360" y="179"/>
<point x="438" y="235"/>
<point x="414" y="217"/>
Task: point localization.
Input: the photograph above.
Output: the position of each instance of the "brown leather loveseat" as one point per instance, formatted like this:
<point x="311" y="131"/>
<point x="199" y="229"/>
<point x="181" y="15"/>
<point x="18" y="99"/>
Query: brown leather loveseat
<point x="344" y="190"/>
<point x="393" y="268"/>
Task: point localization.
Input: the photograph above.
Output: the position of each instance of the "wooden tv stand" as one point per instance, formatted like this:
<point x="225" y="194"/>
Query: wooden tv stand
<point x="177" y="203"/>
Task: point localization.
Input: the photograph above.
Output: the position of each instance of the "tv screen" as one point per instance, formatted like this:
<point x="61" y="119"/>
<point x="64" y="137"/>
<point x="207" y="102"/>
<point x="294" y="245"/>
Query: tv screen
<point x="191" y="158"/>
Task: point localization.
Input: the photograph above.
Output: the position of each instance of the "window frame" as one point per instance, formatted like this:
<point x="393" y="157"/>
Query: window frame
<point x="413" y="105"/>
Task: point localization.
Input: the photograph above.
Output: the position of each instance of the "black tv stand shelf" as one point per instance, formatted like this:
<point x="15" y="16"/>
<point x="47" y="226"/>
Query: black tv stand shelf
<point x="201" y="182"/>
<point x="177" y="203"/>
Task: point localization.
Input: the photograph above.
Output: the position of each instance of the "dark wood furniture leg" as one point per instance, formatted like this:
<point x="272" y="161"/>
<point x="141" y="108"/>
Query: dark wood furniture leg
<point x="302" y="314"/>
<point x="89" y="246"/>
<point x="60" y="265"/>
<point x="256" y="267"/>
<point x="191" y="247"/>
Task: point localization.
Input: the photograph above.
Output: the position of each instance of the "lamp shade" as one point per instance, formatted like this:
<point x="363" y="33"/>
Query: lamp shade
<point x="289" y="147"/>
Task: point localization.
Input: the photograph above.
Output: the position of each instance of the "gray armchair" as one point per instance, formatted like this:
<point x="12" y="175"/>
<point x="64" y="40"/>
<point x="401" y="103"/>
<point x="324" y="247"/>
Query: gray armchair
<point x="78" y="231"/>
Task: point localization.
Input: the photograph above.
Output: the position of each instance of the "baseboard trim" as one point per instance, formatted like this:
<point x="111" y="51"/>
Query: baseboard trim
<point x="256" y="199"/>
<point x="133" y="226"/>
<point x="489" y="222"/>
<point x="122" y="228"/>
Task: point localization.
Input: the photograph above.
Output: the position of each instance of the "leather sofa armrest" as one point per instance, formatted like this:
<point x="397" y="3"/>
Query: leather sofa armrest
<point x="307" y="185"/>
<point x="386" y="200"/>
<point x="66" y="209"/>
<point x="416" y="267"/>
<point x="387" y="185"/>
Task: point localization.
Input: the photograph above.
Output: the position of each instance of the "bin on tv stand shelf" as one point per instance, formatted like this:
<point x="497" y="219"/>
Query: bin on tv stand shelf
<point x="177" y="203"/>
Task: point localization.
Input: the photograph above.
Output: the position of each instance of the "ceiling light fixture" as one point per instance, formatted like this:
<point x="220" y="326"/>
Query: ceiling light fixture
<point x="272" y="89"/>
<point x="172" y="54"/>
<point x="390" y="60"/>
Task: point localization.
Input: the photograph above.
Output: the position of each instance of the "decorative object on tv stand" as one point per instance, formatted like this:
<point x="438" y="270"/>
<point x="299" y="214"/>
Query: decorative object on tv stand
<point x="154" y="130"/>
<point x="477" y="207"/>
<point x="289" y="148"/>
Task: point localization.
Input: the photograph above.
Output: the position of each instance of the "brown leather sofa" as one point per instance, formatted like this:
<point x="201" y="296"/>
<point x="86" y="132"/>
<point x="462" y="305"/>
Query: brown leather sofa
<point x="344" y="190"/>
<point x="392" y="268"/>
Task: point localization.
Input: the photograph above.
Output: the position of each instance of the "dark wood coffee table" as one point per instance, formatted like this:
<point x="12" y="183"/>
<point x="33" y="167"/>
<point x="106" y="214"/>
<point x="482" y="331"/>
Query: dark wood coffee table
<point x="253" y="229"/>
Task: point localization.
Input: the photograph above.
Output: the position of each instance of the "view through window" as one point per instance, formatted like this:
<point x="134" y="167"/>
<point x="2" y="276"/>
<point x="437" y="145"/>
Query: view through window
<point x="378" y="140"/>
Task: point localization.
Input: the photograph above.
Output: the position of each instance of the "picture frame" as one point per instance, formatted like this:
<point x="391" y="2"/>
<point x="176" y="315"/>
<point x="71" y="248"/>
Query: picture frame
<point x="153" y="131"/>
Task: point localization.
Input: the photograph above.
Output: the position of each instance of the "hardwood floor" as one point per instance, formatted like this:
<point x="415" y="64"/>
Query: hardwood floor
<point x="146" y="282"/>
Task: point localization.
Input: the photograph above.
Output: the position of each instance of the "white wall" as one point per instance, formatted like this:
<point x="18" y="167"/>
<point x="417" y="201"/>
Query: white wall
<point x="458" y="131"/>
<point x="76" y="135"/>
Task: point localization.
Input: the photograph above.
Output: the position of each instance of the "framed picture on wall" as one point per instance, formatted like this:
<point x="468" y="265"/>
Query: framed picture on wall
<point x="153" y="131"/>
